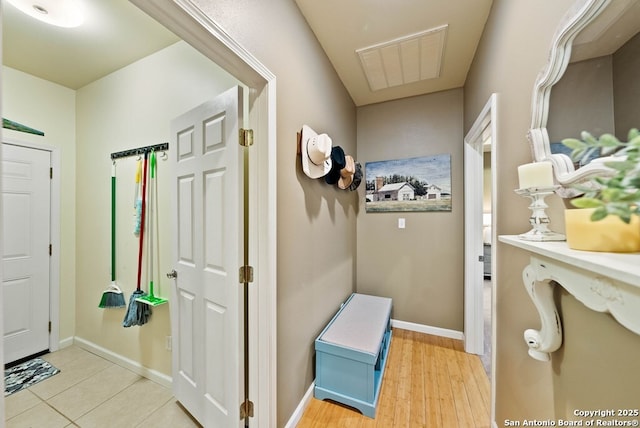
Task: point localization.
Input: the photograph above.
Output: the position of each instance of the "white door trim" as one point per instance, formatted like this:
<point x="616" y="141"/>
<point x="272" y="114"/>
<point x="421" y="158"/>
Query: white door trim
<point x="190" y="23"/>
<point x="55" y="219"/>
<point x="473" y="173"/>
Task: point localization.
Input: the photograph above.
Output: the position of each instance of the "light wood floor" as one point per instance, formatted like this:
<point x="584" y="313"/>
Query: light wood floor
<point x="429" y="381"/>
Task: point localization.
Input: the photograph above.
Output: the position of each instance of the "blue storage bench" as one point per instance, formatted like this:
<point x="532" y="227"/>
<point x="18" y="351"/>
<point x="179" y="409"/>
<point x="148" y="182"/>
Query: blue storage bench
<point x="351" y="353"/>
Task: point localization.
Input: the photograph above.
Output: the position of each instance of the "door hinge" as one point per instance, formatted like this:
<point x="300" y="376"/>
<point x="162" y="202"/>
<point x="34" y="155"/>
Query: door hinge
<point x="246" y="409"/>
<point x="481" y="258"/>
<point x="51" y="173"/>
<point x="246" y="137"/>
<point x="246" y="274"/>
<point x="49" y="326"/>
<point x="50" y="249"/>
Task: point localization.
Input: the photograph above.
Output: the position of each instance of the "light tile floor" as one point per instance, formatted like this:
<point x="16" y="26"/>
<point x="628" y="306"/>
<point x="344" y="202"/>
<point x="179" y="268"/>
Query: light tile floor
<point x="90" y="391"/>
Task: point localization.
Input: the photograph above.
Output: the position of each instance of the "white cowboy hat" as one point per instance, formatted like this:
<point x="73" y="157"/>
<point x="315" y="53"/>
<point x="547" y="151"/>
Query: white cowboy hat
<point x="316" y="153"/>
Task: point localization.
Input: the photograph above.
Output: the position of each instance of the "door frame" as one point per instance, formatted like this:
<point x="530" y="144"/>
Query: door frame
<point x="54" y="230"/>
<point x="190" y="23"/>
<point x="473" y="295"/>
<point x="473" y="191"/>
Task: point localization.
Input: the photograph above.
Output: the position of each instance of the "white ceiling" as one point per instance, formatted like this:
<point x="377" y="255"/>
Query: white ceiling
<point x="114" y="34"/>
<point x="117" y="33"/>
<point x="343" y="27"/>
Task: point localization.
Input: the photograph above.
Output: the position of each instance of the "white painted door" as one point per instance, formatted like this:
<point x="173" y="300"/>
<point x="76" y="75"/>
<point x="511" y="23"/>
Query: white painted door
<point x="206" y="303"/>
<point x="26" y="195"/>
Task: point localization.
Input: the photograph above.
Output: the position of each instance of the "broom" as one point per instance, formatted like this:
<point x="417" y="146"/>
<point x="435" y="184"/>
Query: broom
<point x="151" y="299"/>
<point x="137" y="313"/>
<point x="112" y="297"/>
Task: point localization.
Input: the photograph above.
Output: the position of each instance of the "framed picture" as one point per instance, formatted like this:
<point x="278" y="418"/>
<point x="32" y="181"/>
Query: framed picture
<point x="413" y="184"/>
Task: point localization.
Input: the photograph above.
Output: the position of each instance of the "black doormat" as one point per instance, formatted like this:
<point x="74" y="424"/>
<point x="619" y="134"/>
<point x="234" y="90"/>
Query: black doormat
<point x="26" y="374"/>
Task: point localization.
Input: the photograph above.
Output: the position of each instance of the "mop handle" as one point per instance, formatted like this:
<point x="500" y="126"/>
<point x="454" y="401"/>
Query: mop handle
<point x="113" y="221"/>
<point x="152" y="186"/>
<point x="144" y="194"/>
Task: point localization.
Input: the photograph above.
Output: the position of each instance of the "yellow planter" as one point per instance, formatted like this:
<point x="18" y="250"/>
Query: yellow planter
<point x="609" y="234"/>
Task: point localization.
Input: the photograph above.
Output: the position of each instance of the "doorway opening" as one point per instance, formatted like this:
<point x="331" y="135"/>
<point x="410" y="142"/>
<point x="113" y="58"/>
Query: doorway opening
<point x="198" y="30"/>
<point x="480" y="185"/>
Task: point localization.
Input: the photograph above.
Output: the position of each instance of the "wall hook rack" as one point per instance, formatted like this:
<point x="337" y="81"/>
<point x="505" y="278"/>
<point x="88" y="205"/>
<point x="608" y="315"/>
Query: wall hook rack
<point x="163" y="147"/>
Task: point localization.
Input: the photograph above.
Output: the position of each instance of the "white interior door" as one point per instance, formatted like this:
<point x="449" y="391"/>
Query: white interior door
<point x="206" y="304"/>
<point x="26" y="195"/>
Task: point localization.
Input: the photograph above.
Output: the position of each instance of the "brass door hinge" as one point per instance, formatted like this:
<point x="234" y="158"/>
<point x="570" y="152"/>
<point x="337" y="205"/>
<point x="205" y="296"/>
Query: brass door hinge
<point x="246" y="137"/>
<point x="246" y="274"/>
<point x="246" y="409"/>
<point x="50" y="249"/>
<point x="49" y="326"/>
<point x="51" y="173"/>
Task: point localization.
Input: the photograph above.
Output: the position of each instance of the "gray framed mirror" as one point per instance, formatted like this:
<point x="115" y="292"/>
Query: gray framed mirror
<point x="588" y="83"/>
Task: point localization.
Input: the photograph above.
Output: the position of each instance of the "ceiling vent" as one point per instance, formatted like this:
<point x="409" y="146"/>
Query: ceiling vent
<point x="404" y="60"/>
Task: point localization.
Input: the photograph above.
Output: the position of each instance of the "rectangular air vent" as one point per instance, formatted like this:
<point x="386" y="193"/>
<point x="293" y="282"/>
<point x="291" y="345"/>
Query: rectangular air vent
<point x="404" y="60"/>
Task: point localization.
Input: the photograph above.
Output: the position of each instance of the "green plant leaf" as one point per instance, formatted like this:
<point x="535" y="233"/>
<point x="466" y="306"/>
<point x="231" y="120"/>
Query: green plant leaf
<point x="634" y="142"/>
<point x="621" y="165"/>
<point x="588" y="138"/>
<point x="608" y="140"/>
<point x="599" y="214"/>
<point x="574" y="143"/>
<point x="587" y="203"/>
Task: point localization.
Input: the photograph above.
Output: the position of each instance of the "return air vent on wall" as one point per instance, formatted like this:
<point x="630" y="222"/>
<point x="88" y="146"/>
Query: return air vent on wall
<point x="404" y="60"/>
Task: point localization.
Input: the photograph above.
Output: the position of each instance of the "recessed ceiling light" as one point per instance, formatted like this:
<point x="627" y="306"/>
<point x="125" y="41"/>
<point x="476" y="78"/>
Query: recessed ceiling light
<point x="62" y="13"/>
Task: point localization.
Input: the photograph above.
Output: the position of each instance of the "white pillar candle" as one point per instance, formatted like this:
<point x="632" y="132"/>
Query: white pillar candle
<point x="537" y="174"/>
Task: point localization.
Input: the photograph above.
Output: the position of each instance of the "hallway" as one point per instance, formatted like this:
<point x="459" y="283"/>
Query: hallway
<point x="429" y="381"/>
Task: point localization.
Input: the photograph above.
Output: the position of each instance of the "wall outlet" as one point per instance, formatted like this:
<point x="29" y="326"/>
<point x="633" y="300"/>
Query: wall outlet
<point x="401" y="223"/>
<point x="167" y="343"/>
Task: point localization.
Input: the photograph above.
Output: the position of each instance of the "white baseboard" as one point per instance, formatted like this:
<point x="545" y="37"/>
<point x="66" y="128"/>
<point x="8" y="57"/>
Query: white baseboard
<point x="127" y="363"/>
<point x="421" y="328"/>
<point x="297" y="414"/>
<point x="494" y="424"/>
<point x="65" y="342"/>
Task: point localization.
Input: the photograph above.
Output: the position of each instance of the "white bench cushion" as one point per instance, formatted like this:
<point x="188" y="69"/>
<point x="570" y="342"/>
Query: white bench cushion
<point x="361" y="323"/>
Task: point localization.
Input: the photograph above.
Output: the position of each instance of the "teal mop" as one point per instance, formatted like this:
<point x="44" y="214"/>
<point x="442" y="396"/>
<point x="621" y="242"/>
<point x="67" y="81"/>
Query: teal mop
<point x="137" y="313"/>
<point x="112" y="297"/>
<point x="151" y="299"/>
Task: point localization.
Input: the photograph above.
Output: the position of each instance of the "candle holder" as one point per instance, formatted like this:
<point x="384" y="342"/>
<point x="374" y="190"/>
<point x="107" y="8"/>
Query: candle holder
<point x="539" y="219"/>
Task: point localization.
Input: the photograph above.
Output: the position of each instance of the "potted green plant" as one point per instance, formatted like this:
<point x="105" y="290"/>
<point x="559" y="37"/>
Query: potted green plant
<point x="615" y="195"/>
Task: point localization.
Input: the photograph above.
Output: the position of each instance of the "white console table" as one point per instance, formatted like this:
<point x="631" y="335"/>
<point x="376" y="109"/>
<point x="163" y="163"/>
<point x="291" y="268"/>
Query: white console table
<point x="603" y="282"/>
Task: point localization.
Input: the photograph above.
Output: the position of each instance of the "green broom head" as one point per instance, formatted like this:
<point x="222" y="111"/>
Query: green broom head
<point x="137" y="313"/>
<point x="112" y="297"/>
<point x="150" y="299"/>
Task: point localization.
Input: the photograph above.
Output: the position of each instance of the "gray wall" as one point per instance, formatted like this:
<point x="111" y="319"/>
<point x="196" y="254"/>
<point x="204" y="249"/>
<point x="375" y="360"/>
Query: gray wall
<point x="626" y="88"/>
<point x="421" y="267"/>
<point x="316" y="239"/>
<point x="593" y="369"/>
<point x="598" y="95"/>
<point x="582" y="100"/>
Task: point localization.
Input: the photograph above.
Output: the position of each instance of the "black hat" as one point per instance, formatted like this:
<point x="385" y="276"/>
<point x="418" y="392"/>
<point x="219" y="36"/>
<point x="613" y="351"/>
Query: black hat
<point x="338" y="162"/>
<point x="357" y="177"/>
